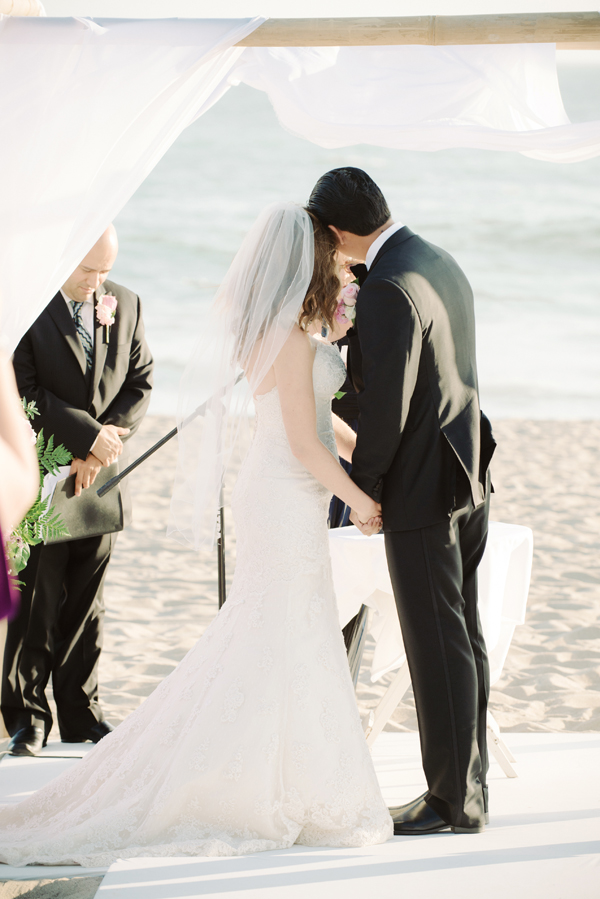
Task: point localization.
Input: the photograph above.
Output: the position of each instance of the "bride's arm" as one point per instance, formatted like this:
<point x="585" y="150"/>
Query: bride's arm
<point x="345" y="437"/>
<point x="293" y="373"/>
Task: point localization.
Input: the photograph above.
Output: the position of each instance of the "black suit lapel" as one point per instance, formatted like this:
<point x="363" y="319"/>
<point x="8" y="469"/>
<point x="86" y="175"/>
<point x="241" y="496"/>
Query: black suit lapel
<point x="361" y="272"/>
<point x="57" y="309"/>
<point x="100" y="348"/>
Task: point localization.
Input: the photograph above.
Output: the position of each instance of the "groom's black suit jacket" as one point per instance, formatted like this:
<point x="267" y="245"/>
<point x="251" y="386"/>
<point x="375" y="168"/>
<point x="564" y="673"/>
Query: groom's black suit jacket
<point x="412" y="361"/>
<point x="73" y="403"/>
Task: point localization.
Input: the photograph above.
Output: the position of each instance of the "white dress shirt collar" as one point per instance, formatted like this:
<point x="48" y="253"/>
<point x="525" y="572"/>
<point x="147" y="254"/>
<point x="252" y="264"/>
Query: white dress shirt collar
<point x="68" y="300"/>
<point x="377" y="244"/>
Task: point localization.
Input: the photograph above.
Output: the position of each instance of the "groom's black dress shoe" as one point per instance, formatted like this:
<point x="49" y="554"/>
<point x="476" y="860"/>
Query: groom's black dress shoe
<point x="28" y="741"/>
<point x="417" y="819"/>
<point x="94" y="733"/>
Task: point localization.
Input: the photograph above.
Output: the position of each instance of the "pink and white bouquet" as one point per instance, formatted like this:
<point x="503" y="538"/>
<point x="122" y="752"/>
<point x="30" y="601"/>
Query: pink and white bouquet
<point x="346" y="310"/>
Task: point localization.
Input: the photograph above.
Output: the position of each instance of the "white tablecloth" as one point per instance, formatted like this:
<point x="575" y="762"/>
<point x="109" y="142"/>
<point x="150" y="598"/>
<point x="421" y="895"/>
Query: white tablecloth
<point x="360" y="575"/>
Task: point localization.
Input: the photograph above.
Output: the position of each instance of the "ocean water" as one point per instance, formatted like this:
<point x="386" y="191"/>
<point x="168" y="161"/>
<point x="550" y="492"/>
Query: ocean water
<point x="526" y="233"/>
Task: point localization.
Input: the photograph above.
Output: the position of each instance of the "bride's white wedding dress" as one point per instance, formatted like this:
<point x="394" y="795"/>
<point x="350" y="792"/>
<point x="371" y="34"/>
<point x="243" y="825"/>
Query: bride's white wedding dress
<point x="254" y="741"/>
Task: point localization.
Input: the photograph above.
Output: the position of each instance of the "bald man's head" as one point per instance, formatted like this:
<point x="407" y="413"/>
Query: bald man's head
<point x="94" y="269"/>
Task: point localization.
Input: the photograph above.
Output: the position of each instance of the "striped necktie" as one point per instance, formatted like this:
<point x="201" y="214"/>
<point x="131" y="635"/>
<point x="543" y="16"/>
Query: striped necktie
<point x="86" y="340"/>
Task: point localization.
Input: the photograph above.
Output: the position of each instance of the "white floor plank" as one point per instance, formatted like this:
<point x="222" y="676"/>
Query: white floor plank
<point x="543" y="842"/>
<point x="22" y="776"/>
<point x="56" y="748"/>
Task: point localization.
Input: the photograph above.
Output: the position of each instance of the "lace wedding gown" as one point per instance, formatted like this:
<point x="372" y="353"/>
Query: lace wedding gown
<point x="254" y="741"/>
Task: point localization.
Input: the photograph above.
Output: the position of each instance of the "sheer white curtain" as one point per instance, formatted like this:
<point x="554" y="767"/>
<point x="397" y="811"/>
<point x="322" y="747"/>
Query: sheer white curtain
<point x="502" y="97"/>
<point x="87" y="109"/>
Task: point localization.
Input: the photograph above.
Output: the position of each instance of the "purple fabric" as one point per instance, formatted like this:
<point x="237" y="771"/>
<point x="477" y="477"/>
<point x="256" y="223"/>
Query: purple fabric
<point x="9" y="596"/>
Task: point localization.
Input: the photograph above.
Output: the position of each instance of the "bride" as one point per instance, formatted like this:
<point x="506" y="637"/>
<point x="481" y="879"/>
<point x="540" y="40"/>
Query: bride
<point x="254" y="741"/>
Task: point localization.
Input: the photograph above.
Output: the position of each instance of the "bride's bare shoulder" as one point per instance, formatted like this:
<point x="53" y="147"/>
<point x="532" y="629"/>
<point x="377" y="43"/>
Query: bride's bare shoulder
<point x="296" y="355"/>
<point x="298" y="341"/>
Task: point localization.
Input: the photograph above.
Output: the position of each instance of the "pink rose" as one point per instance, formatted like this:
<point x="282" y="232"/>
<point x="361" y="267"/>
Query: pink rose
<point x="340" y="312"/>
<point x="105" y="309"/>
<point x="345" y="312"/>
<point x="350" y="293"/>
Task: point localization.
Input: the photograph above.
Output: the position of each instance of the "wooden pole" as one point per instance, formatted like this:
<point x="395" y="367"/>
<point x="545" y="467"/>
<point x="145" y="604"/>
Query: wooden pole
<point x="524" y="28"/>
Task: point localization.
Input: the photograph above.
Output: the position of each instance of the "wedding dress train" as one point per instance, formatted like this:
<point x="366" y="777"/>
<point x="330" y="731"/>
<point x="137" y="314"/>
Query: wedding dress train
<point x="254" y="741"/>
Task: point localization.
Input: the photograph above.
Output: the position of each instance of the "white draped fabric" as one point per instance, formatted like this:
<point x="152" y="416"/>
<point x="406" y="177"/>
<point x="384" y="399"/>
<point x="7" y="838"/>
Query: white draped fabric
<point x="360" y="575"/>
<point x="503" y="97"/>
<point x="87" y="110"/>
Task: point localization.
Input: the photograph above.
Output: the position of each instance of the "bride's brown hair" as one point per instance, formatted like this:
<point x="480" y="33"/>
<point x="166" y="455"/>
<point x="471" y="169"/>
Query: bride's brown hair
<point x="323" y="292"/>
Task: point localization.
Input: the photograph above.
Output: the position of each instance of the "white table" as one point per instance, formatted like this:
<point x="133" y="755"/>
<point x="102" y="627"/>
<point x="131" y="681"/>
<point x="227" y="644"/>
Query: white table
<point x="361" y="576"/>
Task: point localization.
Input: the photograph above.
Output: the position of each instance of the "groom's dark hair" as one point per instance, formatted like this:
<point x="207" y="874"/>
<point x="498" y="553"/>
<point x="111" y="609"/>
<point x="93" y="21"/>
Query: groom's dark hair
<point x="349" y="199"/>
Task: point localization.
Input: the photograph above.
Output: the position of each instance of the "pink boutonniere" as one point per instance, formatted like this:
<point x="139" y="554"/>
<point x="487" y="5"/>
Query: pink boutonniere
<point x="105" y="312"/>
<point x="346" y="310"/>
<point x="105" y="309"/>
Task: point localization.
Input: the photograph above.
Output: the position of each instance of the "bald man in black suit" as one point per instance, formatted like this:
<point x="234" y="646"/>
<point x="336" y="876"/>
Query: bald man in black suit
<point x="91" y="383"/>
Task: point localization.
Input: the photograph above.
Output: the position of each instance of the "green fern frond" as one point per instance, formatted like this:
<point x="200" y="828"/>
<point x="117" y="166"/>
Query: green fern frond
<point x="40" y="507"/>
<point x="30" y="409"/>
<point x="41" y="522"/>
<point x="62" y="456"/>
<point x="18" y="559"/>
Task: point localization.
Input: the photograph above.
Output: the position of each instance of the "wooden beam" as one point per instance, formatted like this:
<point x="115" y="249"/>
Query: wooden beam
<point x="527" y="28"/>
<point x="582" y="45"/>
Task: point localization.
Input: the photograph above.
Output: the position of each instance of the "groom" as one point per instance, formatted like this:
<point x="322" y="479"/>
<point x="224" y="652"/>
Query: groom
<point x="422" y="450"/>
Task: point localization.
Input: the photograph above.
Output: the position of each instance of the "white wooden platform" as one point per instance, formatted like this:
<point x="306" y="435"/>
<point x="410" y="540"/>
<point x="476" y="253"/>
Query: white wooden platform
<point x="543" y="841"/>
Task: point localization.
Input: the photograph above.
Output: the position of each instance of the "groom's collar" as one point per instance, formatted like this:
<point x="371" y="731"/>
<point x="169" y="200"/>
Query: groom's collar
<point x="379" y="242"/>
<point x="392" y="239"/>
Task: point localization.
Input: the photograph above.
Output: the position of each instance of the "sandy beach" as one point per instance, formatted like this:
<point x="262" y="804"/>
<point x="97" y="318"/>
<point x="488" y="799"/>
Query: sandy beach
<point x="546" y="475"/>
<point x="161" y="596"/>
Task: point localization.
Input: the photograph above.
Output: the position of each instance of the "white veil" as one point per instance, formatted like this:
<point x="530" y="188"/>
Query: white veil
<point x="253" y="313"/>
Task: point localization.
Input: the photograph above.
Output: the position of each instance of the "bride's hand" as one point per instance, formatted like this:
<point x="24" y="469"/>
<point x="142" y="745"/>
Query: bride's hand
<point x="368" y="528"/>
<point x="367" y="516"/>
<point x="367" y="509"/>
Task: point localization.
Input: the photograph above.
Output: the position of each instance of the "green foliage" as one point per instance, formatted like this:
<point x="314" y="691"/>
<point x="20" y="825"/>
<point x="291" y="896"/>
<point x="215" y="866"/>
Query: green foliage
<point x="41" y="522"/>
<point x="30" y="409"/>
<point x="49" y="456"/>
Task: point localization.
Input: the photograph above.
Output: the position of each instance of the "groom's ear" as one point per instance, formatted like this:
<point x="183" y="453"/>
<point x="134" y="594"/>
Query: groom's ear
<point x="339" y="235"/>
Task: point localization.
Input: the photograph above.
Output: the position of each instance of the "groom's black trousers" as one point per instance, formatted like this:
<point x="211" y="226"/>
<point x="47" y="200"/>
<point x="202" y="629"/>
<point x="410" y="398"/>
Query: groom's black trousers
<point x="434" y="576"/>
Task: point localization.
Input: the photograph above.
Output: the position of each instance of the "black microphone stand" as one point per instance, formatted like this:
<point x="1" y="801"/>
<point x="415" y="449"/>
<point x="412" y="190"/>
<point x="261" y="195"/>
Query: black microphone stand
<point x="102" y="491"/>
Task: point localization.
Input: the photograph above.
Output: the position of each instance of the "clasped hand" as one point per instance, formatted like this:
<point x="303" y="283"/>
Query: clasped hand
<point x="107" y="449"/>
<point x="108" y="446"/>
<point x="85" y="472"/>
<point x="371" y="525"/>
